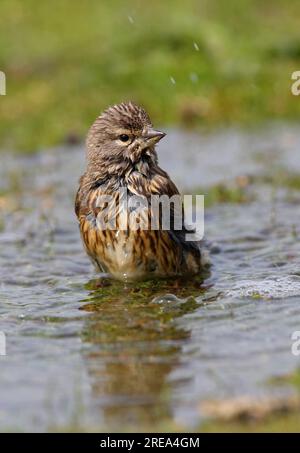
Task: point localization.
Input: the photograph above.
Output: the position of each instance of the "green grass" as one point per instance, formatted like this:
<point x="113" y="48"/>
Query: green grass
<point x="225" y="193"/>
<point x="67" y="60"/>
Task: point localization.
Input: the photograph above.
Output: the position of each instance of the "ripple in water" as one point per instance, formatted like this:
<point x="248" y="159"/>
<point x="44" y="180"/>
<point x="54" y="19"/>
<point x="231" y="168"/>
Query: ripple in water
<point x="84" y="351"/>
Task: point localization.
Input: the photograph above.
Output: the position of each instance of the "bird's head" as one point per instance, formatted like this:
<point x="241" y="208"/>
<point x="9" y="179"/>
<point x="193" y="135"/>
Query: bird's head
<point x="122" y="136"/>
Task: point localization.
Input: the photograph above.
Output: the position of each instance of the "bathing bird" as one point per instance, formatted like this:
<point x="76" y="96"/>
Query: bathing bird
<point x="121" y="231"/>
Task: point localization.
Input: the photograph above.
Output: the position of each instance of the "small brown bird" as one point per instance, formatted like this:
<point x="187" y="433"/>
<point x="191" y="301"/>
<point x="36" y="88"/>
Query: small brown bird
<point x="122" y="161"/>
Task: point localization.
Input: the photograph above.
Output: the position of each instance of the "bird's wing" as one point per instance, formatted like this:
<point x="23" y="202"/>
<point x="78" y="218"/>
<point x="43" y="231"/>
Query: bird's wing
<point x="161" y="184"/>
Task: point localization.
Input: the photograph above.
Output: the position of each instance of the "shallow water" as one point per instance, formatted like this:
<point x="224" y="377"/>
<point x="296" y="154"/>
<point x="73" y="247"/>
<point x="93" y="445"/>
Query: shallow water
<point x="85" y="353"/>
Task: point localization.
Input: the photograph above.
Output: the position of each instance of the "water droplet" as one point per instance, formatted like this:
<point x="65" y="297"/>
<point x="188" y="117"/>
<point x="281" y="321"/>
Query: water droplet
<point x="173" y="80"/>
<point x="130" y="18"/>
<point x="196" y="46"/>
<point x="194" y="77"/>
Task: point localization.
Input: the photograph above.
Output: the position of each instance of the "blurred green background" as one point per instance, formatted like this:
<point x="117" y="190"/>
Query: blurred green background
<point x="194" y="63"/>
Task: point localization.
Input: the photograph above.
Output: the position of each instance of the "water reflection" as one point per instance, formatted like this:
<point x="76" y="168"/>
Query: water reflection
<point x="135" y="339"/>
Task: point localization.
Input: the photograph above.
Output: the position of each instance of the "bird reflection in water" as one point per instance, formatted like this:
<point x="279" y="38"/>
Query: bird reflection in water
<point x="135" y="338"/>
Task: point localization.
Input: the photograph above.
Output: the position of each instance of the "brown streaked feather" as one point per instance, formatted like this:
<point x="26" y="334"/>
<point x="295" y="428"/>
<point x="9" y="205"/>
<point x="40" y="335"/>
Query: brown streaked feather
<point x="136" y="253"/>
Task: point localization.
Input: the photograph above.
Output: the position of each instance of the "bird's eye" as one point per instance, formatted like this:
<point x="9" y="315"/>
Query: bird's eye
<point x="124" y="137"/>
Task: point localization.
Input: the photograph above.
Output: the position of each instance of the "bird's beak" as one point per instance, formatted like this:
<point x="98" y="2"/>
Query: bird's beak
<point x="152" y="136"/>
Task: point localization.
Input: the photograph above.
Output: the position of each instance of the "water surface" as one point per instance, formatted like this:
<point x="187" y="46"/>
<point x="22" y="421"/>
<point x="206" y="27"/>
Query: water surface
<point x="85" y="353"/>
